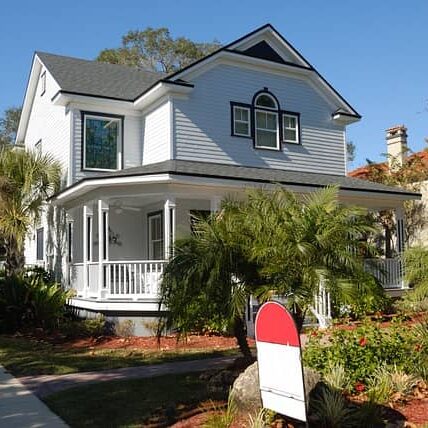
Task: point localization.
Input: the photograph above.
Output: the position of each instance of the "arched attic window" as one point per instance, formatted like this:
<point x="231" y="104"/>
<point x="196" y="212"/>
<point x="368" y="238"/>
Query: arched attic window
<point x="266" y="122"/>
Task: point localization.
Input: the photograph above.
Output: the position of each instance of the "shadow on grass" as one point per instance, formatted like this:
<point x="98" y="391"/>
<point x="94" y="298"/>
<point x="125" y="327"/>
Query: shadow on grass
<point x="27" y="357"/>
<point x="153" y="402"/>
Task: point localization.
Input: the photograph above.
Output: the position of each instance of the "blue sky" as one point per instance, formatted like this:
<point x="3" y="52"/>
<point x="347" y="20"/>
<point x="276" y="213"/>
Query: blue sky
<point x="374" y="53"/>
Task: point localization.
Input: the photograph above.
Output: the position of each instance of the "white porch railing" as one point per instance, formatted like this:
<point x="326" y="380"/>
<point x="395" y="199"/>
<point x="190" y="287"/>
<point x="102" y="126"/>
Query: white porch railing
<point x="119" y="279"/>
<point x="388" y="271"/>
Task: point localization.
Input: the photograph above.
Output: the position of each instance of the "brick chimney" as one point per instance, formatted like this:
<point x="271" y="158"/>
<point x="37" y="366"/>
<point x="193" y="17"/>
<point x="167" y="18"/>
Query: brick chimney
<point x="396" y="142"/>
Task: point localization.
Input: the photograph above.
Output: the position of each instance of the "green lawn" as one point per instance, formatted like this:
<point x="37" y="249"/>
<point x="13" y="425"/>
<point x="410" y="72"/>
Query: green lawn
<point x="153" y="402"/>
<point x="23" y="356"/>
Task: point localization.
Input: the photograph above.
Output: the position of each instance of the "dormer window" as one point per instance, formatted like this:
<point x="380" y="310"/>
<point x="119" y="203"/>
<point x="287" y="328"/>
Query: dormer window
<point x="43" y="83"/>
<point x="102" y="142"/>
<point x="290" y="128"/>
<point x="241" y="121"/>
<point x="265" y="122"/>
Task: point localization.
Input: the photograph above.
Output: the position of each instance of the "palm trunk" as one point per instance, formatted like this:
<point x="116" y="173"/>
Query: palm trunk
<point x="15" y="261"/>
<point x="240" y="333"/>
<point x="299" y="317"/>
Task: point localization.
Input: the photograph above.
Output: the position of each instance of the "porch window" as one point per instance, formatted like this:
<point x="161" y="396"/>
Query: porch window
<point x="102" y="143"/>
<point x="40" y="245"/>
<point x="156" y="239"/>
<point x="89" y="238"/>
<point x="290" y="128"/>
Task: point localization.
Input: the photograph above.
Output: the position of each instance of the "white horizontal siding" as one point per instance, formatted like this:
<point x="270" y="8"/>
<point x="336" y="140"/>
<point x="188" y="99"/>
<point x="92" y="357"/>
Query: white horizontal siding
<point x="156" y="135"/>
<point x="49" y="123"/>
<point x="202" y="125"/>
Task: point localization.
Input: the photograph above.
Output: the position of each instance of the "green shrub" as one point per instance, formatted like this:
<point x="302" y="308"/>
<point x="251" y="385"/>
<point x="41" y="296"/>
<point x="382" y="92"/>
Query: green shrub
<point x="28" y="300"/>
<point x="416" y="262"/>
<point x="363" y="350"/>
<point x="91" y="327"/>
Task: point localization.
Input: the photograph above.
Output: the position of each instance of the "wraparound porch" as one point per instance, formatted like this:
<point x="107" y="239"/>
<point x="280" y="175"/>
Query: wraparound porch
<point x="121" y="229"/>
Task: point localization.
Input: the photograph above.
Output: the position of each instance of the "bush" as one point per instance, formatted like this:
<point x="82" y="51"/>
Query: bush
<point x="28" y="300"/>
<point x="91" y="327"/>
<point x="363" y="350"/>
<point x="416" y="263"/>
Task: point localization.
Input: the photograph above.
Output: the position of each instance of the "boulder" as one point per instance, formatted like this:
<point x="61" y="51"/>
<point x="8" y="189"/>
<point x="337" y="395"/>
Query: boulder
<point x="246" y="391"/>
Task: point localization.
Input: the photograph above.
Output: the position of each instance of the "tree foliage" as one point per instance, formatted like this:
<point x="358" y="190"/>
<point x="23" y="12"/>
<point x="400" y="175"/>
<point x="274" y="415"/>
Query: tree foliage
<point x="272" y="244"/>
<point x="9" y="125"/>
<point x="409" y="175"/>
<point x="27" y="179"/>
<point x="156" y="50"/>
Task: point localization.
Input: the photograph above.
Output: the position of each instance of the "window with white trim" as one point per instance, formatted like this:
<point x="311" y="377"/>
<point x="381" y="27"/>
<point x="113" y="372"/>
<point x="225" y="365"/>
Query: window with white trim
<point x="43" y="83"/>
<point x="156" y="240"/>
<point x="266" y="122"/>
<point x="102" y="142"/>
<point x="241" y="121"/>
<point x="290" y="128"/>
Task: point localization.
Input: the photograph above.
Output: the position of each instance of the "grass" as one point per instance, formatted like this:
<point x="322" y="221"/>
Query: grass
<point x="25" y="357"/>
<point x="153" y="402"/>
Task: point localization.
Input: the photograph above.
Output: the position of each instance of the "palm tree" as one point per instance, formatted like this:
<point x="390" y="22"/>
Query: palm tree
<point x="209" y="277"/>
<point x="301" y="241"/>
<point x="27" y="179"/>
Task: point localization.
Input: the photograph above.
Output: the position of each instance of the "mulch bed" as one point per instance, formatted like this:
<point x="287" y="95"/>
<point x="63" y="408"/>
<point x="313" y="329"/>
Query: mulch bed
<point x="152" y="343"/>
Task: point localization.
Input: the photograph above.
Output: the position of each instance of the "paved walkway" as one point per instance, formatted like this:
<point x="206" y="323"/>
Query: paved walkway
<point x="19" y="408"/>
<point x="45" y="385"/>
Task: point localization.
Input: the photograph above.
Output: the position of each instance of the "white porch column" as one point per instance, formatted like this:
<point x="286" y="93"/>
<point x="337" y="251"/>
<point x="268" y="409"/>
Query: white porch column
<point x="169" y="225"/>
<point x="102" y="242"/>
<point x="87" y="245"/>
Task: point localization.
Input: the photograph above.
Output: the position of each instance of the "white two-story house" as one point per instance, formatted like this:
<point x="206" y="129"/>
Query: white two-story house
<point x="142" y="151"/>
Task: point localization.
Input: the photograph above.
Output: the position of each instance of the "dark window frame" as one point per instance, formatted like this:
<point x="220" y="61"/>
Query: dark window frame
<point x="83" y="114"/>
<point x="232" y="119"/>
<point x="279" y="112"/>
<point x="40" y="244"/>
<point x="154" y="214"/>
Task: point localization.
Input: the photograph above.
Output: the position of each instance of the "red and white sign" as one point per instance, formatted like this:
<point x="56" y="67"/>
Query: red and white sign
<point x="280" y="366"/>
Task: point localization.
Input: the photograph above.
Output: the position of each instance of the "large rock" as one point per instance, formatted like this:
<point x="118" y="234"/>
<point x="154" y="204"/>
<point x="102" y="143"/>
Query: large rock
<point x="246" y="390"/>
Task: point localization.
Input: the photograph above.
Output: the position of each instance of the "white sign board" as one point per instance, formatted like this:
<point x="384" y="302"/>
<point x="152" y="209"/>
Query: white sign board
<point x="279" y="357"/>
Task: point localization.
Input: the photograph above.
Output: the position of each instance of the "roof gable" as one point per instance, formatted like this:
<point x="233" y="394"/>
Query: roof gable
<point x="263" y="50"/>
<point x="267" y="45"/>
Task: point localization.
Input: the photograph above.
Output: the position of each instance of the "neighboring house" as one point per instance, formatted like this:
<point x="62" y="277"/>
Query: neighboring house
<point x="141" y="151"/>
<point x="398" y="154"/>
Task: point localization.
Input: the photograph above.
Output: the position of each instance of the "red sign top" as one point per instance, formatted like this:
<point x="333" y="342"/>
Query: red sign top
<point x="274" y="324"/>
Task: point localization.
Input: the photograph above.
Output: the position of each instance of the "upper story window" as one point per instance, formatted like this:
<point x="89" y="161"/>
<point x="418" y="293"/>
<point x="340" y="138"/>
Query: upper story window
<point x="241" y="121"/>
<point x="102" y="142"/>
<point x="265" y="122"/>
<point x="43" y="83"/>
<point x="290" y="125"/>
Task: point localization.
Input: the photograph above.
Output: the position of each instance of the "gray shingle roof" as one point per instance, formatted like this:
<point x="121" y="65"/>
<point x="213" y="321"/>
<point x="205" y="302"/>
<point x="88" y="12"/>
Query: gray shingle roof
<point x="97" y="78"/>
<point x="260" y="175"/>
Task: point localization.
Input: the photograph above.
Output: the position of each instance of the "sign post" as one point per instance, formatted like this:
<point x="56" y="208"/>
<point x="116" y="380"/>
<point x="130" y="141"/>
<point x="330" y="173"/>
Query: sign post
<point x="280" y="366"/>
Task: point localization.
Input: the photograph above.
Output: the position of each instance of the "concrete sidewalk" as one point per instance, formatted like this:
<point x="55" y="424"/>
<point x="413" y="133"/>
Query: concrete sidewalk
<point x="42" y="386"/>
<point x="19" y="408"/>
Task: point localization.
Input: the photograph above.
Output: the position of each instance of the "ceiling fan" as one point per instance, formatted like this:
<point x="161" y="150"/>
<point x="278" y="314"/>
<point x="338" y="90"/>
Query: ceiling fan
<point x="118" y="207"/>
